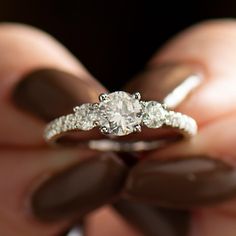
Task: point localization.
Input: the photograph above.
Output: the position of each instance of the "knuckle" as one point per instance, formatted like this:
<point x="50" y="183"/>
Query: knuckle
<point x="19" y="33"/>
<point x="9" y="27"/>
<point x="217" y="23"/>
<point x="214" y="28"/>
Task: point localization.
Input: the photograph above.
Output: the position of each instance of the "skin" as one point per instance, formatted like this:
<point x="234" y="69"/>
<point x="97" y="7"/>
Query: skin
<point x="217" y="38"/>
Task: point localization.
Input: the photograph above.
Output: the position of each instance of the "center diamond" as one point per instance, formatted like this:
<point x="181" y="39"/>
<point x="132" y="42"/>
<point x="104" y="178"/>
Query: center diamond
<point x="120" y="113"/>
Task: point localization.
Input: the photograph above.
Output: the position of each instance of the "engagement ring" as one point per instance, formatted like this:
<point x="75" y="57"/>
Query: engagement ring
<point x="119" y="114"/>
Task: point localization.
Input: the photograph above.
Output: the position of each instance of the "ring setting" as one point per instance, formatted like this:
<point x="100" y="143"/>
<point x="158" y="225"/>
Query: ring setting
<point x="118" y="114"/>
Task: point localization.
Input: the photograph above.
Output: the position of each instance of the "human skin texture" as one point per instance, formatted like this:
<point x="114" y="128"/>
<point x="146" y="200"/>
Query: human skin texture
<point x="30" y="170"/>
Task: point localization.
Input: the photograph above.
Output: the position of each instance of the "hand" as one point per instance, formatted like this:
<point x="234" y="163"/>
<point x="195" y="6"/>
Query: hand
<point x="43" y="190"/>
<point x="197" y="175"/>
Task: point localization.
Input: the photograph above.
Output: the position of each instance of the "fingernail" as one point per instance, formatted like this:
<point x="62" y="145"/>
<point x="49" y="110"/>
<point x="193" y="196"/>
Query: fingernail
<point x="80" y="189"/>
<point x="49" y="93"/>
<point x="187" y="182"/>
<point x="153" y="221"/>
<point x="170" y="83"/>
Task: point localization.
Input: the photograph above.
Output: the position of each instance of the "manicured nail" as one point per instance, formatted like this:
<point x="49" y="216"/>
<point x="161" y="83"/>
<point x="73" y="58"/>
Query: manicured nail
<point x="169" y="83"/>
<point x="182" y="182"/>
<point x="49" y="93"/>
<point x="153" y="221"/>
<point x="80" y="189"/>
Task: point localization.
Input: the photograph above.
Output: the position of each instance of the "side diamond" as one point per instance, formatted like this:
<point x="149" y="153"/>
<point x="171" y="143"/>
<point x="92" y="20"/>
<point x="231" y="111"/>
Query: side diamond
<point x="154" y="114"/>
<point x="86" y="116"/>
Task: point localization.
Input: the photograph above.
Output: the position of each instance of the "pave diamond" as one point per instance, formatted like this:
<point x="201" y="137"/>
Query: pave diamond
<point x="154" y="114"/>
<point x="86" y="116"/>
<point x="120" y="113"/>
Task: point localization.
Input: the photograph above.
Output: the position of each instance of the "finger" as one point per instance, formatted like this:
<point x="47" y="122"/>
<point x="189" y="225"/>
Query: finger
<point x="214" y="222"/>
<point x="180" y="59"/>
<point x="21" y="174"/>
<point x="40" y="185"/>
<point x="137" y="219"/>
<point x="203" y="167"/>
<point x="37" y="84"/>
<point x="153" y="220"/>
<point x="106" y="222"/>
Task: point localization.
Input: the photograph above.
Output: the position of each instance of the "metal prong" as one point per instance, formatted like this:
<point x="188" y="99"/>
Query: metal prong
<point x="139" y="114"/>
<point x="95" y="105"/>
<point x="102" y="97"/>
<point x="75" y="109"/>
<point x="96" y="123"/>
<point x="137" y="95"/>
<point x="104" y="130"/>
<point x="137" y="128"/>
<point x="164" y="106"/>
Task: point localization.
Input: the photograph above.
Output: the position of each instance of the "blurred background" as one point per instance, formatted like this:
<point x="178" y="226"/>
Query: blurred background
<point x="113" y="39"/>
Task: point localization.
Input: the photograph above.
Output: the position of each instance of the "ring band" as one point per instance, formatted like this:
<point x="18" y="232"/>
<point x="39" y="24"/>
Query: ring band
<point x="119" y="114"/>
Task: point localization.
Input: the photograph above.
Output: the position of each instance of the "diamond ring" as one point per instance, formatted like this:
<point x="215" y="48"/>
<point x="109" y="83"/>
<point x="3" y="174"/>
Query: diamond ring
<point x="118" y="114"/>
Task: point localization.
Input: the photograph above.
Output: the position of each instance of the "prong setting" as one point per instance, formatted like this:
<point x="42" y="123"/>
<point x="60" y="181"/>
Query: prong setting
<point x="95" y="105"/>
<point x="96" y="123"/>
<point x="137" y="96"/>
<point x="76" y="109"/>
<point x="104" y="130"/>
<point x="103" y="97"/>
<point x="164" y="106"/>
<point x="139" y="115"/>
<point x="137" y="128"/>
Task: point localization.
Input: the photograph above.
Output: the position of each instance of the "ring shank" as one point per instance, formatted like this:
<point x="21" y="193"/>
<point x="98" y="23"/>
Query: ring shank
<point x="64" y="125"/>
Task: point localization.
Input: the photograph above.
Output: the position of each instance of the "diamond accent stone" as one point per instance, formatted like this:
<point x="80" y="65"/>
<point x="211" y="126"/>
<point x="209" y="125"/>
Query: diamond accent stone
<point x="153" y="114"/>
<point x="86" y="115"/>
<point x="120" y="113"/>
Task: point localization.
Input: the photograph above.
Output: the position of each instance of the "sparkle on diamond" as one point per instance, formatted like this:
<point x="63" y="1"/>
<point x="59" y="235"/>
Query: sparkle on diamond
<point x="86" y="115"/>
<point x="154" y="114"/>
<point x="120" y="113"/>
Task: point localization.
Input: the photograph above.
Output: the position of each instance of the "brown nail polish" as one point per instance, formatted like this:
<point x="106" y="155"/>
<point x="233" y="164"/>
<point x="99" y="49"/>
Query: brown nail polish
<point x="155" y="83"/>
<point x="153" y="221"/>
<point x="80" y="189"/>
<point x="49" y="93"/>
<point x="187" y="182"/>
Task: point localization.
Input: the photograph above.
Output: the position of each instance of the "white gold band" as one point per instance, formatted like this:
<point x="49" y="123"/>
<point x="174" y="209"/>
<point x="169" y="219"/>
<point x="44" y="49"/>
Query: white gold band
<point x="69" y="122"/>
